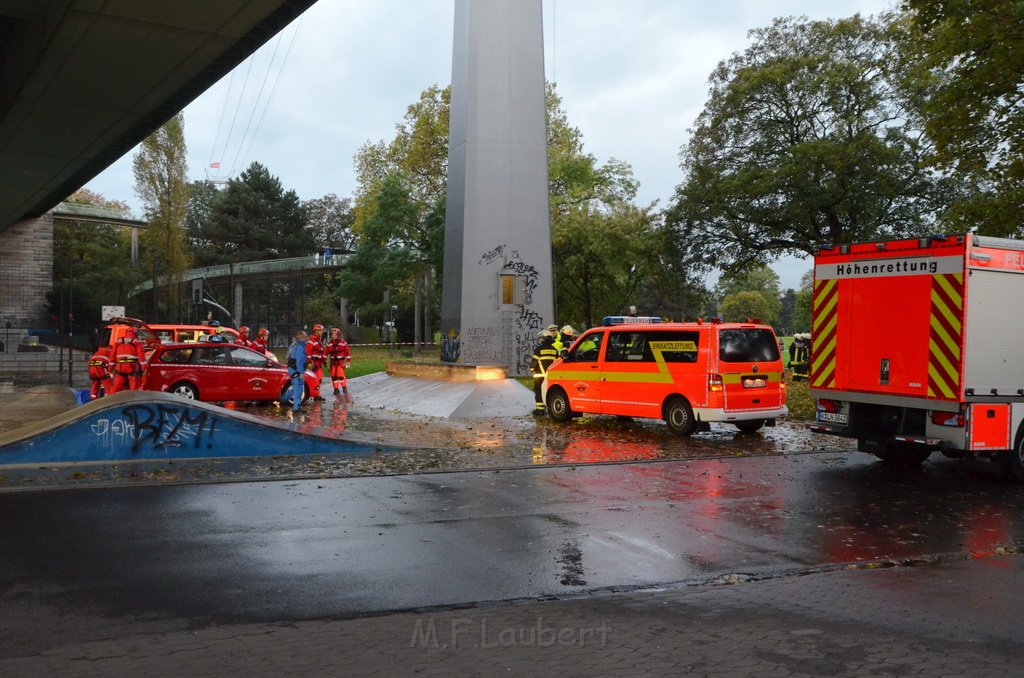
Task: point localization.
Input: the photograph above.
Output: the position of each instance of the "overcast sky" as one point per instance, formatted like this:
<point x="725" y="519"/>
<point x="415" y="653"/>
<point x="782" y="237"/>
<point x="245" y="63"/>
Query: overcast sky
<point x="632" y="75"/>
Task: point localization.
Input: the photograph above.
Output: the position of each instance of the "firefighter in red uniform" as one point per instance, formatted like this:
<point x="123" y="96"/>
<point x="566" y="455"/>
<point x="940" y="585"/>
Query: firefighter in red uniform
<point x="128" y="357"/>
<point x="340" y="355"/>
<point x="262" y="341"/>
<point x="99" y="372"/>
<point x="315" y="357"/>
<point x="243" y="338"/>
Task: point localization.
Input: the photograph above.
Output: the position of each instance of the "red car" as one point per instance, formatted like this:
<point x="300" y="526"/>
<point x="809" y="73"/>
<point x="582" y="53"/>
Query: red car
<point x="218" y="372"/>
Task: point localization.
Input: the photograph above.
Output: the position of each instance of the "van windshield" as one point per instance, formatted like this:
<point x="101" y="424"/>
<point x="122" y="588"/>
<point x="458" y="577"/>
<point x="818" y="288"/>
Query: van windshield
<point x="747" y="346"/>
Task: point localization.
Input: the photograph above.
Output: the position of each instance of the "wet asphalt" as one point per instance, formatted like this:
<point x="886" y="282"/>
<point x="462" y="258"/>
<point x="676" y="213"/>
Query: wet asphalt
<point x="480" y="511"/>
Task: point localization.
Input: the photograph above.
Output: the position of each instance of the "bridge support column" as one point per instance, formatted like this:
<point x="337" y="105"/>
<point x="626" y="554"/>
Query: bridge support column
<point x="236" y="302"/>
<point x="498" y="289"/>
<point x="26" y="271"/>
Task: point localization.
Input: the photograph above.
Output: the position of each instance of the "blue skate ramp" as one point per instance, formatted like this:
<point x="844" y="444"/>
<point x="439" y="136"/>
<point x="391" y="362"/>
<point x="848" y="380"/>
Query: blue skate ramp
<point x="154" y="426"/>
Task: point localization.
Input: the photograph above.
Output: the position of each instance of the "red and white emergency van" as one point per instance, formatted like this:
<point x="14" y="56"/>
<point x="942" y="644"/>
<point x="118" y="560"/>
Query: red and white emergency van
<point x="688" y="374"/>
<point x="916" y="347"/>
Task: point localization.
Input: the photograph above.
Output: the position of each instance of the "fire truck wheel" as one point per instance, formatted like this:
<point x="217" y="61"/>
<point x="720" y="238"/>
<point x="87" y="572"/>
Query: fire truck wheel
<point x="1013" y="464"/>
<point x="679" y="417"/>
<point x="751" y="426"/>
<point x="185" y="390"/>
<point x="558" y="406"/>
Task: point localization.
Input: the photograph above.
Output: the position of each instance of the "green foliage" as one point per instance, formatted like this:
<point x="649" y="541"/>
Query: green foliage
<point x="802" y="308"/>
<point x="160" y="173"/>
<point x="758" y="278"/>
<point x="601" y="256"/>
<point x="96" y="257"/>
<point x="812" y="135"/>
<point x="401" y="239"/>
<point x="799" y="401"/>
<point x="253" y="219"/>
<point x="739" y="306"/>
<point x="975" y="52"/>
<point x="331" y="219"/>
<point x="201" y="196"/>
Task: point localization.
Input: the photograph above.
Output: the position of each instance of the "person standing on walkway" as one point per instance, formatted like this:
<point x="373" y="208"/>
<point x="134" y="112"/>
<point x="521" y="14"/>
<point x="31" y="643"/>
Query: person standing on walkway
<point x="543" y="355"/>
<point x="99" y="372"/>
<point x="296" y="361"/>
<point x="129" y="355"/>
<point x="340" y="355"/>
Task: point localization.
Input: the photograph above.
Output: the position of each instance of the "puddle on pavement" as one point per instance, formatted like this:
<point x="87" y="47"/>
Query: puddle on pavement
<point x="444" y="445"/>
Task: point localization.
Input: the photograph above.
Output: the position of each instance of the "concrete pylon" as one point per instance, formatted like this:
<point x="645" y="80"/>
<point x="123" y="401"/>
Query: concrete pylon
<point x="498" y="290"/>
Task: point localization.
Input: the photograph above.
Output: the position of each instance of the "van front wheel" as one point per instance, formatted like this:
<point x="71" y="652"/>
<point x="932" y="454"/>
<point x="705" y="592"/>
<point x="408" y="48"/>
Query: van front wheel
<point x="679" y="417"/>
<point x="558" y="406"/>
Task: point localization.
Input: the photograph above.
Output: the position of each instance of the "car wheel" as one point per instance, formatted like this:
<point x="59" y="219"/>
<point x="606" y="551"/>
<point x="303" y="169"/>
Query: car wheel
<point x="750" y="426"/>
<point x="679" y="417"/>
<point x="185" y="390"/>
<point x="558" y="406"/>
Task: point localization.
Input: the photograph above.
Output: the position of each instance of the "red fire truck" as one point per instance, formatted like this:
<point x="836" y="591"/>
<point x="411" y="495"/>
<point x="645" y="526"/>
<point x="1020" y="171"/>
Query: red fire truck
<point x="917" y="346"/>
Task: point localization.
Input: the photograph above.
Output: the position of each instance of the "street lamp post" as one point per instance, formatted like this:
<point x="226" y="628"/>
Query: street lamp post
<point x="391" y="329"/>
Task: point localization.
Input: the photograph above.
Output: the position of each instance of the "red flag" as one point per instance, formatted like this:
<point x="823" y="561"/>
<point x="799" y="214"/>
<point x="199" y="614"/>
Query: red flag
<point x="215" y="165"/>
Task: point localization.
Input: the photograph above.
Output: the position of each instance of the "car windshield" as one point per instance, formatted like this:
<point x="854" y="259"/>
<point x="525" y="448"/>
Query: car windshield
<point x="747" y="346"/>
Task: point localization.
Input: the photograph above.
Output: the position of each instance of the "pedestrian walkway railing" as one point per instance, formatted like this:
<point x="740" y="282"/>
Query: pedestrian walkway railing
<point x="249" y="268"/>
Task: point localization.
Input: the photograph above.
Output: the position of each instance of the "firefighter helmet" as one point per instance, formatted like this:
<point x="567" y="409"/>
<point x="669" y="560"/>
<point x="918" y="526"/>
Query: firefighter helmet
<point x="568" y="331"/>
<point x="263" y="333"/>
<point x="318" y="328"/>
<point x="243" y="330"/>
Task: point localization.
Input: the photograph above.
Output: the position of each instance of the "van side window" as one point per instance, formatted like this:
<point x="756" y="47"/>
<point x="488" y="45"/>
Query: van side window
<point x="649" y="347"/>
<point x="587" y="349"/>
<point x="747" y="346"/>
<point x="628" y="347"/>
<point x="674" y="347"/>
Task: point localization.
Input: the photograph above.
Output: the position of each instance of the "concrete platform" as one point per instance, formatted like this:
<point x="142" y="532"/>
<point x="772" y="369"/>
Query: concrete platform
<point x="444" y="399"/>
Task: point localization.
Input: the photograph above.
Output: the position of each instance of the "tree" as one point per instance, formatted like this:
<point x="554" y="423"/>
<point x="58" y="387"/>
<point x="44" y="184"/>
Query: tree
<point x="588" y="200"/>
<point x="812" y="135"/>
<point x="160" y="171"/>
<point x="745" y="304"/>
<point x="757" y="278"/>
<point x="330" y="219"/>
<point x="787" y="312"/>
<point x="975" y="50"/>
<point x="804" y="297"/>
<point x="201" y="196"/>
<point x="96" y="257"/>
<point x="398" y="238"/>
<point x="601" y="256"/>
<point x="253" y="219"/>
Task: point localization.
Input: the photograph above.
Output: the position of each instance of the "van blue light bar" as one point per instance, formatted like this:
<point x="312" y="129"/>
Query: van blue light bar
<point x="630" y="320"/>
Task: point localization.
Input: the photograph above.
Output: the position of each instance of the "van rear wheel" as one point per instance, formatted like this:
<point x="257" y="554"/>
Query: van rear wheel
<point x="679" y="417"/>
<point x="750" y="426"/>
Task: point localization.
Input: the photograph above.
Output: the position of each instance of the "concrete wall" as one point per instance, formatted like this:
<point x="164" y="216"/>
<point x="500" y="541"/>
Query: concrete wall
<point x="497" y="220"/>
<point x="26" y="272"/>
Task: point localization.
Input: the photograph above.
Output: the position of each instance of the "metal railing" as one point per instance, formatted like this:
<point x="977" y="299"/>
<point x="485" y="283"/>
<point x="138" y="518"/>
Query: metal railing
<point x="246" y="268"/>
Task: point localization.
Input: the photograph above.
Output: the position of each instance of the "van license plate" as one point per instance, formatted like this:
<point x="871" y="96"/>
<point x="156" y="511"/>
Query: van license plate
<point x="832" y="417"/>
<point x="754" y="382"/>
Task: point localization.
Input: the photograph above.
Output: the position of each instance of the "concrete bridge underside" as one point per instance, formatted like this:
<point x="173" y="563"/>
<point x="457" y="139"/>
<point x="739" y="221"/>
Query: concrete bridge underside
<point x="81" y="83"/>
